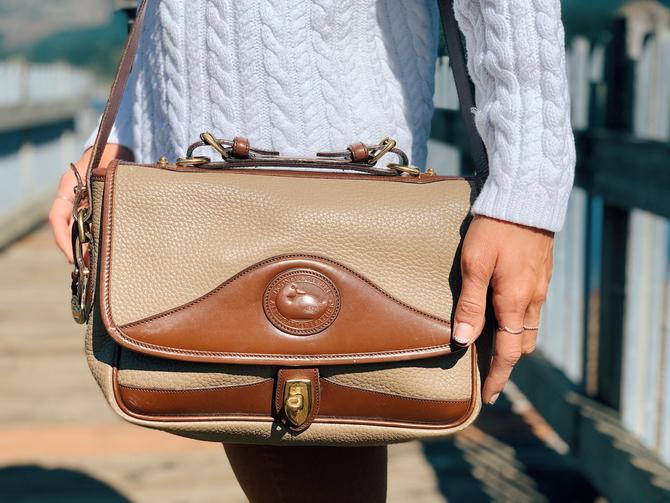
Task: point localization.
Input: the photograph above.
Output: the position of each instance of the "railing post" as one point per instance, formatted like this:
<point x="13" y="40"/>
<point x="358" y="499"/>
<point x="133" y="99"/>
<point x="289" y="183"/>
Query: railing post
<point x="129" y="8"/>
<point x="620" y="72"/>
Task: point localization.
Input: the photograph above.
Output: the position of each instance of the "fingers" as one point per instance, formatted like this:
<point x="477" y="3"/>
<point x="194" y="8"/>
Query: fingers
<point x="476" y="270"/>
<point x="511" y="299"/>
<point x="60" y="220"/>
<point x="531" y="321"/>
<point x="507" y="353"/>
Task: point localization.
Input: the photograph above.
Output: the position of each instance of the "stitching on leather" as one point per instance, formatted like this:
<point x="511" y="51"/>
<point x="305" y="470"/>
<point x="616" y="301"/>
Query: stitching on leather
<point x="396" y="397"/>
<point x="108" y="231"/>
<point x="278" y="171"/>
<point x="280" y="384"/>
<point x="279" y="357"/>
<point x="214" y="388"/>
<point x="347" y="421"/>
<point x="279" y="258"/>
<point x="317" y="392"/>
<point x="297" y="331"/>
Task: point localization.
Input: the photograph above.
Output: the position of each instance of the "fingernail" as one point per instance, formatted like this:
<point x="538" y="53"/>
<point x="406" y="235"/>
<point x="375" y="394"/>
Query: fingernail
<point x="463" y="333"/>
<point x="494" y="398"/>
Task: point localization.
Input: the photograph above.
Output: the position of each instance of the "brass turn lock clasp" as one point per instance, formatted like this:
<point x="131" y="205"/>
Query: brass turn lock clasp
<point x="297" y="400"/>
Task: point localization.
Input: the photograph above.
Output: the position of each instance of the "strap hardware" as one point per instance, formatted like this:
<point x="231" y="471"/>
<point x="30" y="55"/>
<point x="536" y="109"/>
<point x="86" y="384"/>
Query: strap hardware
<point x="80" y="303"/>
<point x="384" y="147"/>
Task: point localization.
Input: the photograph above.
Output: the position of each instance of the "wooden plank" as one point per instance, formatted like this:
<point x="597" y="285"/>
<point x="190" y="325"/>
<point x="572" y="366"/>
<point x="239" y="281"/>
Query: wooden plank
<point x="613" y="460"/>
<point x="612" y="299"/>
<point x="664" y="425"/>
<point x="32" y="116"/>
<point x="562" y="318"/>
<point x="647" y="262"/>
<point x="579" y="65"/>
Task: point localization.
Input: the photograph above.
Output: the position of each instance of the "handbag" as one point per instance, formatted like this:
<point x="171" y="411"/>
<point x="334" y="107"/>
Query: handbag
<point x="248" y="301"/>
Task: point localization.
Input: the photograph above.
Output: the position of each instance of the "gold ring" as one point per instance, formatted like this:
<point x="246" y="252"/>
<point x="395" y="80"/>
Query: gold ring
<point x="531" y="329"/>
<point x="510" y="331"/>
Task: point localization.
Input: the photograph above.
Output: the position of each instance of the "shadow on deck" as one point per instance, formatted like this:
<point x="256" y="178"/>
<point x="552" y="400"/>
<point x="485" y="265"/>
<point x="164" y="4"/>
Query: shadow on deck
<point x="59" y="442"/>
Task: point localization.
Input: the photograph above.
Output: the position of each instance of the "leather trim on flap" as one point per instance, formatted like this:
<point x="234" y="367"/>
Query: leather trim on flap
<point x="236" y="322"/>
<point x="295" y="310"/>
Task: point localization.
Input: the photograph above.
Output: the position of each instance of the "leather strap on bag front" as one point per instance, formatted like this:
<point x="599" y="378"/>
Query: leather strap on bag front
<point x="456" y="58"/>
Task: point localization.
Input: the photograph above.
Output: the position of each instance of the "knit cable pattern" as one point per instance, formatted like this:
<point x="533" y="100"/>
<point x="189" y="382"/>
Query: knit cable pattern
<point x="516" y="57"/>
<point x="302" y="76"/>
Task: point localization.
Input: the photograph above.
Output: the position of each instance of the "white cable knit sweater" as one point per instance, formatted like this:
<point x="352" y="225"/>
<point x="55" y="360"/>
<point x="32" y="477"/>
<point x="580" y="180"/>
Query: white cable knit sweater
<point x="301" y="76"/>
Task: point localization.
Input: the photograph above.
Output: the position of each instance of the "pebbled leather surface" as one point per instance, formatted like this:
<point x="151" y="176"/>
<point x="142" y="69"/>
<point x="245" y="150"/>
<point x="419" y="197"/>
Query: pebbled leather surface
<point x="423" y="379"/>
<point x="176" y="236"/>
<point x="231" y="324"/>
<point x="442" y="378"/>
<point x="275" y="433"/>
<point x="139" y="371"/>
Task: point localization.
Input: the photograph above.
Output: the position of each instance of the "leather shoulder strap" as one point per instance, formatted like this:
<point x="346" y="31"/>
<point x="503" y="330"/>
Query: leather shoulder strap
<point x="456" y="58"/>
<point x="463" y="86"/>
<point x="115" y="96"/>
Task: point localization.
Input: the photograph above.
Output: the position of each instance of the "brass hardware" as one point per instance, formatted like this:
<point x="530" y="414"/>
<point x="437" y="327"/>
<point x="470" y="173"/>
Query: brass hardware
<point x="79" y="303"/>
<point x="81" y="227"/>
<point x="209" y="139"/>
<point x="297" y="400"/>
<point x="430" y="172"/>
<point x="385" y="146"/>
<point x="163" y="161"/>
<point x="198" y="160"/>
<point x="405" y="169"/>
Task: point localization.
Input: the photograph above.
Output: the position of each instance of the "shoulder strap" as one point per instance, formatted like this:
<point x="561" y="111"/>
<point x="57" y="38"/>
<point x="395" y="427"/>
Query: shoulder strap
<point x="466" y="99"/>
<point x="456" y="58"/>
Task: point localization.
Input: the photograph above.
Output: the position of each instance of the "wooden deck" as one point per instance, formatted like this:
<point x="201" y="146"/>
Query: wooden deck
<point x="59" y="442"/>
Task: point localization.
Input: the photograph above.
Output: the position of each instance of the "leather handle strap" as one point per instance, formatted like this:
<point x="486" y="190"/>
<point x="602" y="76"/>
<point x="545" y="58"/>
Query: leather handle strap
<point x="115" y="97"/>
<point x="456" y="58"/>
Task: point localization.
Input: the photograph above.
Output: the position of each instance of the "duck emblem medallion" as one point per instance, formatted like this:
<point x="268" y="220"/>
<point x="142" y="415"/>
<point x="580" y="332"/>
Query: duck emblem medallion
<point x="301" y="301"/>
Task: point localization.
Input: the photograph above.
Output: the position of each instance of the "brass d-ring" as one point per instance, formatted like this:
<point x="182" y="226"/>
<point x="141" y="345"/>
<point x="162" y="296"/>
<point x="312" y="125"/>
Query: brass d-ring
<point x="198" y="160"/>
<point x="81" y="226"/>
<point x="404" y="168"/>
<point x="385" y="146"/>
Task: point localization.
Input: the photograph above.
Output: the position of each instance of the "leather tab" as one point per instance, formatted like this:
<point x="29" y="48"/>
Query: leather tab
<point x="306" y="383"/>
<point x="241" y="147"/>
<point x="359" y="152"/>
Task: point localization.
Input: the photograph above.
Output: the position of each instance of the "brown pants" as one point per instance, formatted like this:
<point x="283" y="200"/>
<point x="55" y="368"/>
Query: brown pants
<point x="310" y="474"/>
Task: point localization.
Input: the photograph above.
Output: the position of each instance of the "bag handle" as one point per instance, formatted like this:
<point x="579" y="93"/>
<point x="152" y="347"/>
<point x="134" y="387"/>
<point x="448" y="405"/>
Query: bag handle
<point x="456" y="58"/>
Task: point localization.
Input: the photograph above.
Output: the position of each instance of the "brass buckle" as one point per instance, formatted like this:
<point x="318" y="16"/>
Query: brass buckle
<point x="385" y="146"/>
<point x="79" y="303"/>
<point x="297" y="401"/>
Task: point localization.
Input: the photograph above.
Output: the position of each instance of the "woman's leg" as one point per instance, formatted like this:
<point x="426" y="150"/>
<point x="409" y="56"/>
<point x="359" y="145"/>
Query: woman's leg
<point x="300" y="474"/>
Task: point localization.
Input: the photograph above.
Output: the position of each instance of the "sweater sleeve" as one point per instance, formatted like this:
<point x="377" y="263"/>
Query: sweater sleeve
<point x="516" y="58"/>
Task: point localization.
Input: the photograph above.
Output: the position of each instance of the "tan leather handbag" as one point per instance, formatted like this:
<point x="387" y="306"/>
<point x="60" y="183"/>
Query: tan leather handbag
<point x="246" y="301"/>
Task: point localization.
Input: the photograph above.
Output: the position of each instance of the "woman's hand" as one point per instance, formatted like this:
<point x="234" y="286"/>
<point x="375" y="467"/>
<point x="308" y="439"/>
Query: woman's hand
<point x="60" y="215"/>
<point x="516" y="261"/>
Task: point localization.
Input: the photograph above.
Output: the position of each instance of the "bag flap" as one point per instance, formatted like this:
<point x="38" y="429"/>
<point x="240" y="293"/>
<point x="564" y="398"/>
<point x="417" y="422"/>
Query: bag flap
<point x="279" y="268"/>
